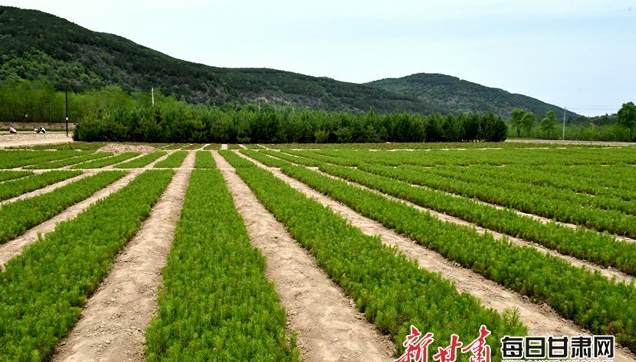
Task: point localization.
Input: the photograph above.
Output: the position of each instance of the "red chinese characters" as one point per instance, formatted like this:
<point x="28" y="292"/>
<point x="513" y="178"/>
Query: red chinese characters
<point x="416" y="347"/>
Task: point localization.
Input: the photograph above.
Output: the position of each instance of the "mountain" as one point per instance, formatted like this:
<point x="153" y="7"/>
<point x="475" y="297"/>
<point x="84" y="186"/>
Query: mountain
<point x="463" y="96"/>
<point x="37" y="45"/>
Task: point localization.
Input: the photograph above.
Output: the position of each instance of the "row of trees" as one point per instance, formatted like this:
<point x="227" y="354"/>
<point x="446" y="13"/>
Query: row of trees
<point x="122" y="115"/>
<point x="173" y="121"/>
<point x="527" y="124"/>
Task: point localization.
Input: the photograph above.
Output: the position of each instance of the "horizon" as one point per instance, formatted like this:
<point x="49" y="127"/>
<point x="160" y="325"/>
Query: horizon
<point x="591" y="84"/>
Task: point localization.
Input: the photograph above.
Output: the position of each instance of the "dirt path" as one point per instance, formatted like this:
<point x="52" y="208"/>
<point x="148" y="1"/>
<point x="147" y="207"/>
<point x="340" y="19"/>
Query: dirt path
<point x="242" y="146"/>
<point x="27" y="139"/>
<point x="607" y="272"/>
<point x="328" y="325"/>
<point x="114" y="320"/>
<point x="540" y="319"/>
<point x="14" y="247"/>
<point x="224" y="146"/>
<point x="47" y="189"/>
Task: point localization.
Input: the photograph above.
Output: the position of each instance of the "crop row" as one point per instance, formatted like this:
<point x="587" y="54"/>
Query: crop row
<point x="216" y="303"/>
<point x="390" y="289"/>
<point x="18" y="158"/>
<point x="613" y="180"/>
<point x="566" y="178"/>
<point x="212" y="146"/>
<point x="204" y="160"/>
<point x="172" y="161"/>
<point x="83" y="157"/>
<point x="602" y="220"/>
<point x="43" y="290"/>
<point x="26" y="184"/>
<point x="457" y="156"/>
<point x="517" y="198"/>
<point x="141" y="161"/>
<point x="12" y="175"/>
<point x="584" y="244"/>
<point x="588" y="298"/>
<point x="19" y="216"/>
<point x="545" y="192"/>
<point x="107" y="161"/>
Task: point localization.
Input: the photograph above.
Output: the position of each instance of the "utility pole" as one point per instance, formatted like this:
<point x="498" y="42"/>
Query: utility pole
<point x="66" y="108"/>
<point x="563" y="132"/>
<point x="152" y="95"/>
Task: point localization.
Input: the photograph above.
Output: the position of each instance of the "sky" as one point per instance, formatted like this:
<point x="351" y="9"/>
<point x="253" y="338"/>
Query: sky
<point x="577" y="54"/>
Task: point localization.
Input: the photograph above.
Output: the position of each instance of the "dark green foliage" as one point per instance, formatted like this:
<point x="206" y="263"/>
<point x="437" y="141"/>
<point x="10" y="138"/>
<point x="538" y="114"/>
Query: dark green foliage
<point x="216" y="304"/>
<point x="178" y="122"/>
<point x="461" y="95"/>
<point x="35" y="45"/>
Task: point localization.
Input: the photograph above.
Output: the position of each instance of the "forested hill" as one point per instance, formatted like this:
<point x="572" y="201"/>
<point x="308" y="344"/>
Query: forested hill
<point x="37" y="45"/>
<point x="463" y="96"/>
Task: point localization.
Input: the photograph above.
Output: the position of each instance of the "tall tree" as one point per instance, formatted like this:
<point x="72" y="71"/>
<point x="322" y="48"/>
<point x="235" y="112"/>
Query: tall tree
<point x="515" y="119"/>
<point x="627" y="117"/>
<point x="548" y="123"/>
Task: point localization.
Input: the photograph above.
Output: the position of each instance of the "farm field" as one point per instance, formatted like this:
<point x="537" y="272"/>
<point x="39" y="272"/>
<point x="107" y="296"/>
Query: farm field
<point x="311" y="252"/>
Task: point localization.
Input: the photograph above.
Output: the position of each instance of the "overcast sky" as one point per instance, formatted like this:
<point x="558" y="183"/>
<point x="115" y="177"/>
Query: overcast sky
<point x="577" y="54"/>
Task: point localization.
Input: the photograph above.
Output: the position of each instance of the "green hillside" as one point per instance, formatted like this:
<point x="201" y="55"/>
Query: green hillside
<point x="461" y="95"/>
<point x="36" y="45"/>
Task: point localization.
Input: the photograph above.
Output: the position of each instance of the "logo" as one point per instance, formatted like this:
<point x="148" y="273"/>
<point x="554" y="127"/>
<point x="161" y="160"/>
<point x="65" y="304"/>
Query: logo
<point x="596" y="348"/>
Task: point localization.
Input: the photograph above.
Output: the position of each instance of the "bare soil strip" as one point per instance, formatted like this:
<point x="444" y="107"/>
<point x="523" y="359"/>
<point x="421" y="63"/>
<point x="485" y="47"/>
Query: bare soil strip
<point x="114" y="320"/>
<point x="607" y="272"/>
<point x="242" y="146"/>
<point x="47" y="189"/>
<point x="540" y="319"/>
<point x="14" y="247"/>
<point x="328" y="325"/>
<point x="224" y="146"/>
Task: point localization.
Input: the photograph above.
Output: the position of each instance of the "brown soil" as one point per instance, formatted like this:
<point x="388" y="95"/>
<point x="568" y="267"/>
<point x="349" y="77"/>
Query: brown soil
<point x="328" y="325"/>
<point x="28" y="139"/>
<point x="114" y="320"/>
<point x="540" y="319"/>
<point x="120" y="148"/>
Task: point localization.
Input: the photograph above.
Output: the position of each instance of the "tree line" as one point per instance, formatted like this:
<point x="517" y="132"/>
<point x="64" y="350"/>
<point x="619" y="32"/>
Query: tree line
<point x="173" y="121"/>
<point x="618" y="127"/>
<point x="111" y="113"/>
